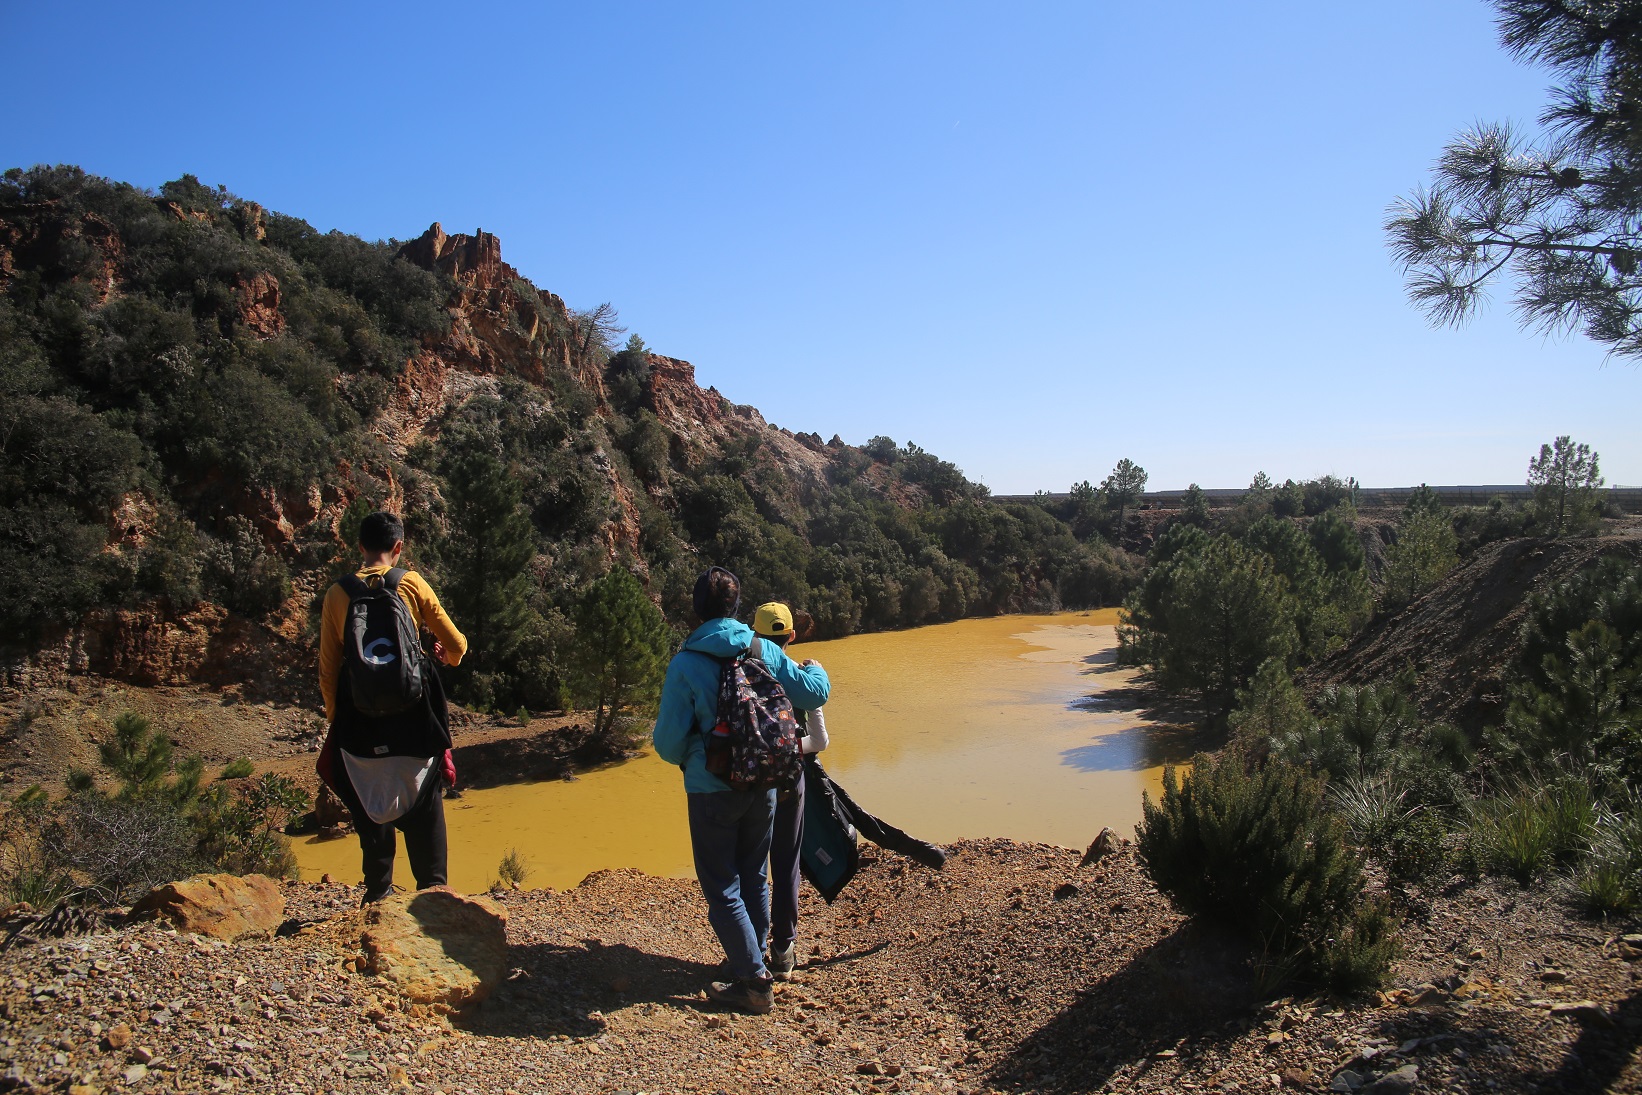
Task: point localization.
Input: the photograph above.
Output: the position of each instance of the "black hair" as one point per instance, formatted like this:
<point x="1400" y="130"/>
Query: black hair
<point x="380" y="531"/>
<point x="717" y="595"/>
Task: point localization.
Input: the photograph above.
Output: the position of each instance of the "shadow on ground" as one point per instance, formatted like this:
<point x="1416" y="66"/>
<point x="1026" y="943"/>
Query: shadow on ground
<point x="560" y="989"/>
<point x="1599" y="1058"/>
<point x="567" y="989"/>
<point x="1190" y="991"/>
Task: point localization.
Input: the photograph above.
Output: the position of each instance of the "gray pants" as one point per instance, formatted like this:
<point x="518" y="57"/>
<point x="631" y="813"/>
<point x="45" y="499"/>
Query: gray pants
<point x="784" y="846"/>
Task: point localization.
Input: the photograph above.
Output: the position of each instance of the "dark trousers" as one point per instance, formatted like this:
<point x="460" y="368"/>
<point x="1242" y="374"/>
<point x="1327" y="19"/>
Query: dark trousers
<point x="424" y="828"/>
<point x="784" y="848"/>
<point x="730" y="838"/>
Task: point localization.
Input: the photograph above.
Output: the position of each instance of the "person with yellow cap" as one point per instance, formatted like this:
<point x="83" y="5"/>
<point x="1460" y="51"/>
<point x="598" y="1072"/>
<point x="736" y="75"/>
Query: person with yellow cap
<point x="774" y="621"/>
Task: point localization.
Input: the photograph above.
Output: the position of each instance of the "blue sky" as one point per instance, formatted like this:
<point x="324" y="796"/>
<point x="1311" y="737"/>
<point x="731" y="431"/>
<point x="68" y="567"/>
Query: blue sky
<point x="1033" y="238"/>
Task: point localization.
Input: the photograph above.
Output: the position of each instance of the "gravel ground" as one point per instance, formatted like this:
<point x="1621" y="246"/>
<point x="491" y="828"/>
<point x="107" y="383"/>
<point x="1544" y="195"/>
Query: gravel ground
<point x="1012" y="970"/>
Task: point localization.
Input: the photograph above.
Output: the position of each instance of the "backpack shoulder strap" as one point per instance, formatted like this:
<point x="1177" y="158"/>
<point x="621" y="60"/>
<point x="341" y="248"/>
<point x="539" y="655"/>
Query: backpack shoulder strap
<point x="353" y="586"/>
<point x="392" y="579"/>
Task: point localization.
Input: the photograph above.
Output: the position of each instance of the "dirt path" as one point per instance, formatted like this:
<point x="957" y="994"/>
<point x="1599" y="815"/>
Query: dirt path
<point x="1012" y="970"/>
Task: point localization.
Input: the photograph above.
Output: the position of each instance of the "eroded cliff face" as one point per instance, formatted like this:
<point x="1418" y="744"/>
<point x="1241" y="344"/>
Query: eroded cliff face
<point x="704" y="421"/>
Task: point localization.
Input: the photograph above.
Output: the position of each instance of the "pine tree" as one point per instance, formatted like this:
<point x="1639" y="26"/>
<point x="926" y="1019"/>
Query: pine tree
<point x="620" y="652"/>
<point x="1560" y="214"/>
<point x="1565" y="478"/>
<point x="486" y="559"/>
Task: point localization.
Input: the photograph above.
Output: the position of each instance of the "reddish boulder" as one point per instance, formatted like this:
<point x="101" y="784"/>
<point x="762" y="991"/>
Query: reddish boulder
<point x="222" y="906"/>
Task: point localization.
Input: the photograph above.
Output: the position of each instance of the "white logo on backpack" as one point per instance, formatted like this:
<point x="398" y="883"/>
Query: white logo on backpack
<point x="375" y="658"/>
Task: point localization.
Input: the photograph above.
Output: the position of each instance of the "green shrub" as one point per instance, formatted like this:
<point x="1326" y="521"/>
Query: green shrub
<point x="1419" y="850"/>
<point x="1402" y="833"/>
<point x="1260" y="852"/>
<point x="1611" y="880"/>
<point x="1606" y="888"/>
<point x="158" y="824"/>
<point x="1357" y="956"/>
<point x="240" y="830"/>
<point x="513" y="869"/>
<point x="33" y="867"/>
<point x="1373" y="809"/>
<point x="1532" y="828"/>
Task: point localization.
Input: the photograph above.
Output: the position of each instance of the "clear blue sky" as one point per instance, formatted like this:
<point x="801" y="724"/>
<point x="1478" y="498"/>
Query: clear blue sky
<point x="1033" y="238"/>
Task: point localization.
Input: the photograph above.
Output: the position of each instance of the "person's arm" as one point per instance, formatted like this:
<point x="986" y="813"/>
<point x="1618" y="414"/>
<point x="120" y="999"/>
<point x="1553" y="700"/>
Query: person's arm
<point x="435" y="621"/>
<point x="806" y="685"/>
<point x="332" y="619"/>
<point x="675" y="717"/>
<point x="816" y="724"/>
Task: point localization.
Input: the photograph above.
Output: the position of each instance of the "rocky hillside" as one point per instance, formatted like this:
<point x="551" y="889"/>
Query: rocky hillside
<point x="1462" y="636"/>
<point x="202" y="396"/>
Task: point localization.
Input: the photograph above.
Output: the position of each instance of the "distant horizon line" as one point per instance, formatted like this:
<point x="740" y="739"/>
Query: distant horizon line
<point x="1382" y="495"/>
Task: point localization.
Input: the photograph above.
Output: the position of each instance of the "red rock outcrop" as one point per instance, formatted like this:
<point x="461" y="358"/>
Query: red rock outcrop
<point x="475" y="261"/>
<point x="259" y="305"/>
<point x="49" y="233"/>
<point x="497" y="318"/>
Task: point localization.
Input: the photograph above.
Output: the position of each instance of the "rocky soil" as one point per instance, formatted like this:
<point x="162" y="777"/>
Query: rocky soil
<point x="1012" y="970"/>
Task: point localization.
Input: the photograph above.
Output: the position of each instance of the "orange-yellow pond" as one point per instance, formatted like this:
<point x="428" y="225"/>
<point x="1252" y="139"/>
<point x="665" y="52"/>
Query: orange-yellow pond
<point x="1013" y="726"/>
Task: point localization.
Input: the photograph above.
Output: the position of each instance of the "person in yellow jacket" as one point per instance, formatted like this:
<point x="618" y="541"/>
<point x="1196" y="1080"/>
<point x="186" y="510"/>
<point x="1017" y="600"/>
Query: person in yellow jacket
<point x="389" y="769"/>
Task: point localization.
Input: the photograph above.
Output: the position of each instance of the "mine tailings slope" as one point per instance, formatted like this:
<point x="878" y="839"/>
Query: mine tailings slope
<point x="1463" y="634"/>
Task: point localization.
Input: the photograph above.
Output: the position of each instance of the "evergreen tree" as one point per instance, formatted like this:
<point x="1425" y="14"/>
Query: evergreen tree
<point x="1217" y="615"/>
<point x="1123" y="489"/>
<point x="1425" y="550"/>
<point x="1561" y="214"/>
<point x="486" y="560"/>
<point x="1565" y="478"/>
<point x="1270" y="709"/>
<point x="620" y="652"/>
<point x="1194" y="507"/>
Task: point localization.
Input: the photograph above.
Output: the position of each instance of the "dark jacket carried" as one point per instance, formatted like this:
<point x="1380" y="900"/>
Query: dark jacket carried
<point x="832" y="820"/>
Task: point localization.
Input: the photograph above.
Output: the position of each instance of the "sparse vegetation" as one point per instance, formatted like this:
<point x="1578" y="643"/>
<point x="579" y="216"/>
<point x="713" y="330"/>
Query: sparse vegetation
<point x="513" y="870"/>
<point x="160" y="821"/>
<point x="1260" y="851"/>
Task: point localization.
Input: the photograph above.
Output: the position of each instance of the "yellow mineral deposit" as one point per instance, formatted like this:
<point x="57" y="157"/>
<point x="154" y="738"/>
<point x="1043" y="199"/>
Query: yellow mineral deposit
<point x="1012" y="726"/>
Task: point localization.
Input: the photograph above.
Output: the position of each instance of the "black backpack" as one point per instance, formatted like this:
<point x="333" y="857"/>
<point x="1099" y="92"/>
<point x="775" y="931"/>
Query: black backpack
<point x="382" y="654"/>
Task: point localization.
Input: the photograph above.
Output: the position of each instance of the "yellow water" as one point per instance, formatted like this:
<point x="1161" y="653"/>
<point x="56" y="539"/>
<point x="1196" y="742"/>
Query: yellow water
<point x="1013" y="726"/>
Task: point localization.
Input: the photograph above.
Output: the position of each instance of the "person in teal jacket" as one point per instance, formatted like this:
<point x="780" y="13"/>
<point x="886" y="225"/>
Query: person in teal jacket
<point x="729" y="830"/>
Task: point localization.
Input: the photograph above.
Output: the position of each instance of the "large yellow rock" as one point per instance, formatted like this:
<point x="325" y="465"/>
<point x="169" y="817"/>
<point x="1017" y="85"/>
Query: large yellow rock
<point x="437" y="946"/>
<point x="222" y="906"/>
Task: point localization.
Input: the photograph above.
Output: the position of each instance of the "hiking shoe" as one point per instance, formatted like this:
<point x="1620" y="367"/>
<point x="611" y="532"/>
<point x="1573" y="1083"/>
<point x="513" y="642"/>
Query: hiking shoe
<point x="781" y="962"/>
<point x="753" y="995"/>
<point x="374" y="896"/>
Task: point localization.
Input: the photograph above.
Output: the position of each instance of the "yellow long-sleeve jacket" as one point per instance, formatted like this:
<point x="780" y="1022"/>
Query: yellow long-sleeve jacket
<point x="425" y="609"/>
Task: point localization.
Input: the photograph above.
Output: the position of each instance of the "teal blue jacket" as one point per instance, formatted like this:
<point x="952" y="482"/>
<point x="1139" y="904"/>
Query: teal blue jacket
<point x="689" y="696"/>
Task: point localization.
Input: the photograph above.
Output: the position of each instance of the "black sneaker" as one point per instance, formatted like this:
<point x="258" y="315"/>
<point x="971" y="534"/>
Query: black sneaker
<point x="753" y="995"/>
<point x="781" y="962"/>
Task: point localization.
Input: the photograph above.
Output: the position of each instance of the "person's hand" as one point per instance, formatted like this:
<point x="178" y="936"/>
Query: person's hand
<point x="439" y="652"/>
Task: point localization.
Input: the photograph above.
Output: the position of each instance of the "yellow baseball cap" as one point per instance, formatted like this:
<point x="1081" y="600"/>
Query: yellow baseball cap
<point x="773" y="620"/>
